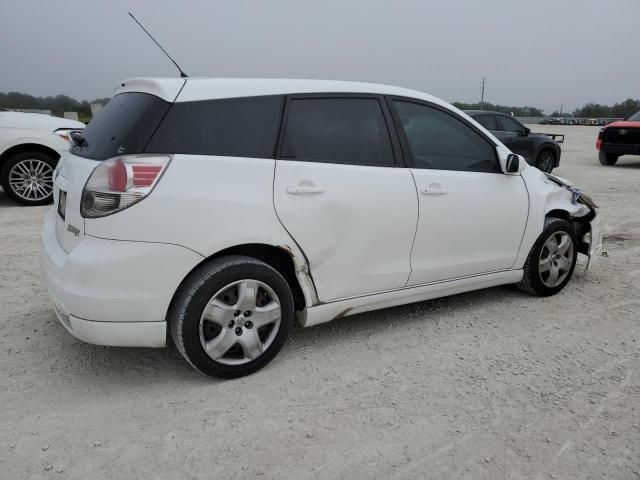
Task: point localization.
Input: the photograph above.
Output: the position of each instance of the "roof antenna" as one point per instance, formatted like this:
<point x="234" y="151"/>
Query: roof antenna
<point x="182" y="74"/>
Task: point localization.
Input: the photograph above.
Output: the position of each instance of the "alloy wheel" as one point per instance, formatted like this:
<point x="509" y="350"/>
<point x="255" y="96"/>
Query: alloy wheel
<point x="31" y="179"/>
<point x="240" y="322"/>
<point x="556" y="259"/>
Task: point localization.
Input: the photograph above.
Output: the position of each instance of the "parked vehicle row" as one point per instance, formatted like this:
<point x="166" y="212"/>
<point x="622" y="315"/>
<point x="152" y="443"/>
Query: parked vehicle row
<point x="577" y="121"/>
<point x="215" y="211"/>
<point x="30" y="146"/>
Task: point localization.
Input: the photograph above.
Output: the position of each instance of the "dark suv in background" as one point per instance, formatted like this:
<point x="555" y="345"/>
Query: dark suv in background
<point x="540" y="150"/>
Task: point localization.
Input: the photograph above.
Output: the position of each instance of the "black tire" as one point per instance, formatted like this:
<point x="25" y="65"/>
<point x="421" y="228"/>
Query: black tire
<point x="546" y="160"/>
<point x="184" y="318"/>
<point x="532" y="281"/>
<point x="25" y="157"/>
<point x="608" y="158"/>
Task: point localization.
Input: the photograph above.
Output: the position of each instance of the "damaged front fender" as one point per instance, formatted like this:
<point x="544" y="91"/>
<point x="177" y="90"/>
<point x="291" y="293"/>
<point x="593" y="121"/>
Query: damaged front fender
<point x="587" y="213"/>
<point x="552" y="196"/>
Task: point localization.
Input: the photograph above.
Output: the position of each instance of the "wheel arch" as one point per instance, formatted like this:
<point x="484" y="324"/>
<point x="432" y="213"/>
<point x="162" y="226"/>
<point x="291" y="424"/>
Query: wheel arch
<point x="27" y="147"/>
<point x="281" y="258"/>
<point x="580" y="226"/>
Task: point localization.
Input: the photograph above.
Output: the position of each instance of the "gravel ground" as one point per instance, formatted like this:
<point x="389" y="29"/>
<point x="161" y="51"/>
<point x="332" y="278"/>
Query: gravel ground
<point x="490" y="384"/>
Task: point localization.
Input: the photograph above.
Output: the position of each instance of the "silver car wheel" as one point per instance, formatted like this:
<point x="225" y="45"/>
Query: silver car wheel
<point x="31" y="179"/>
<point x="556" y="259"/>
<point x="240" y="322"/>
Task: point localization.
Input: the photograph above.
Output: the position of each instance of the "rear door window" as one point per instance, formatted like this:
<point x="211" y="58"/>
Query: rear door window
<point x="124" y="126"/>
<point x="487" y="121"/>
<point x="236" y="127"/>
<point x="337" y="130"/>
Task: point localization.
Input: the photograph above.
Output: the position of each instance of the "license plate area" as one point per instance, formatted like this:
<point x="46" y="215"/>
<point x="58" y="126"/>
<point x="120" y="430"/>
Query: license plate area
<point x="62" y="203"/>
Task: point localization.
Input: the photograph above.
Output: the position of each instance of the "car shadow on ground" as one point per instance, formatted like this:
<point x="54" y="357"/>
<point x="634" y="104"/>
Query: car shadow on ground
<point x="146" y="366"/>
<point x="5" y="200"/>
<point x="627" y="163"/>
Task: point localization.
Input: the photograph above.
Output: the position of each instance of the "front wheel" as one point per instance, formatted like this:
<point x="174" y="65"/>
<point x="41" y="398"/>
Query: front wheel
<point x="551" y="261"/>
<point x="546" y="161"/>
<point x="607" y="158"/>
<point x="27" y="177"/>
<point x="232" y="316"/>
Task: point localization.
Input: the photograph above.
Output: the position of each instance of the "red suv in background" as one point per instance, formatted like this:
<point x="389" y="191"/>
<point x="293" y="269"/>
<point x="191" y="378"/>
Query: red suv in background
<point x="619" y="138"/>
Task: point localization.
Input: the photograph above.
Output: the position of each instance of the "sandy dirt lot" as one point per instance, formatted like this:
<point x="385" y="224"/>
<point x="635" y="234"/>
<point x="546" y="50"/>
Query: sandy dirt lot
<point x="486" y="385"/>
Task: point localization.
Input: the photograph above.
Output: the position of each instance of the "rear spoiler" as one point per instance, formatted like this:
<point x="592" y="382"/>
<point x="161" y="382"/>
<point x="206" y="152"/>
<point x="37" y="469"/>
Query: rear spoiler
<point x="558" y="137"/>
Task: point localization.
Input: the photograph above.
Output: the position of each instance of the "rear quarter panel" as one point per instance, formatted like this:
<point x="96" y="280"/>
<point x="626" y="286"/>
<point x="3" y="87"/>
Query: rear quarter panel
<point x="203" y="203"/>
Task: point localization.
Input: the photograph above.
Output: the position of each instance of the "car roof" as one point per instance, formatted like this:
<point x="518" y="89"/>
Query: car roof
<point x="193" y="89"/>
<point x="482" y="112"/>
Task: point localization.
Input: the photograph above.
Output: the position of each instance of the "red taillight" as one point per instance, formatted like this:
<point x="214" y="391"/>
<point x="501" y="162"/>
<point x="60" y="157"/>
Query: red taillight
<point x="145" y="175"/>
<point x="118" y="176"/>
<point x="599" y="139"/>
<point x="118" y="183"/>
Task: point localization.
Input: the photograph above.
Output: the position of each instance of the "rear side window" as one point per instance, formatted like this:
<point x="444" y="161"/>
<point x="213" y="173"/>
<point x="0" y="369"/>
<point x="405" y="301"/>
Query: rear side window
<point x="337" y="130"/>
<point x="438" y="140"/>
<point x="124" y="126"/>
<point x="236" y="127"/>
<point x="487" y="121"/>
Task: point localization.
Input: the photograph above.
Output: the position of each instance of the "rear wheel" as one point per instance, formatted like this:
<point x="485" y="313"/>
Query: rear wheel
<point x="232" y="316"/>
<point x="552" y="259"/>
<point x="608" y="158"/>
<point x="27" y="177"/>
<point x="546" y="160"/>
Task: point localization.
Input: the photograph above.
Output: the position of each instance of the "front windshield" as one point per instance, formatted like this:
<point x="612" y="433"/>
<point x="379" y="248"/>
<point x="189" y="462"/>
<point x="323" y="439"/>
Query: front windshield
<point x="635" y="117"/>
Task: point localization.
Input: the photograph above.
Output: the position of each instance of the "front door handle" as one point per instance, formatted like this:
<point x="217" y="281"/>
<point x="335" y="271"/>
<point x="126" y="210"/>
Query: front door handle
<point x="302" y="190"/>
<point x="434" y="189"/>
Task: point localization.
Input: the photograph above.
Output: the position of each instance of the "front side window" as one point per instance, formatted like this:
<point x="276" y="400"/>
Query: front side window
<point x="438" y="140"/>
<point x="235" y="127"/>
<point x="337" y="130"/>
<point x="511" y="125"/>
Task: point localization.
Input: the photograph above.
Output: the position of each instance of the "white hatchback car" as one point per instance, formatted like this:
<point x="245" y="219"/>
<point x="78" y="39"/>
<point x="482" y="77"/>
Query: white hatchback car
<point x="30" y="146"/>
<point x="217" y="210"/>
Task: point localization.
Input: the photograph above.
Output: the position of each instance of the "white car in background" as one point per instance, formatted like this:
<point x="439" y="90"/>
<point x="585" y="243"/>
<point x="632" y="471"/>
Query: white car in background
<point x="30" y="146"/>
<point x="215" y="211"/>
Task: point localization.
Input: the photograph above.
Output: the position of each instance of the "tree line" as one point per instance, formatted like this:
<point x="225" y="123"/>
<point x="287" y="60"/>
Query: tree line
<point x="617" y="110"/>
<point x="58" y="104"/>
<point x="62" y="103"/>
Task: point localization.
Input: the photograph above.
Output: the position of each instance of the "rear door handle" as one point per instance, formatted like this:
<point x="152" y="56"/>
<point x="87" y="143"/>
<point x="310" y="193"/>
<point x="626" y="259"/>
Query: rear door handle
<point x="434" y="191"/>
<point x="298" y="190"/>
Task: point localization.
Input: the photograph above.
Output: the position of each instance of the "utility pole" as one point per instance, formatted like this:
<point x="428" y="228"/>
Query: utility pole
<point x="482" y="97"/>
<point x="561" y="105"/>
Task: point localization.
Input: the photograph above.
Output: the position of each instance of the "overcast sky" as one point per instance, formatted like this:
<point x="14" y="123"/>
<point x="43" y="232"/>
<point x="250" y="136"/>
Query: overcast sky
<point x="538" y="52"/>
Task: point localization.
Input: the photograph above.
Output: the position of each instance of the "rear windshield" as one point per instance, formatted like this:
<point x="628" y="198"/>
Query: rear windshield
<point x="123" y="127"/>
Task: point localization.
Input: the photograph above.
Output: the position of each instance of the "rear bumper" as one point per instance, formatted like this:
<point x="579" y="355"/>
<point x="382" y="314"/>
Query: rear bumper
<point x="114" y="334"/>
<point x="112" y="292"/>
<point x="620" y="149"/>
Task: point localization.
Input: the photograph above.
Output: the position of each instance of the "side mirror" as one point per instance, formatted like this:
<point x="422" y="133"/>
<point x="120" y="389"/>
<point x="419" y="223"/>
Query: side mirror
<point x="525" y="132"/>
<point x="513" y="163"/>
